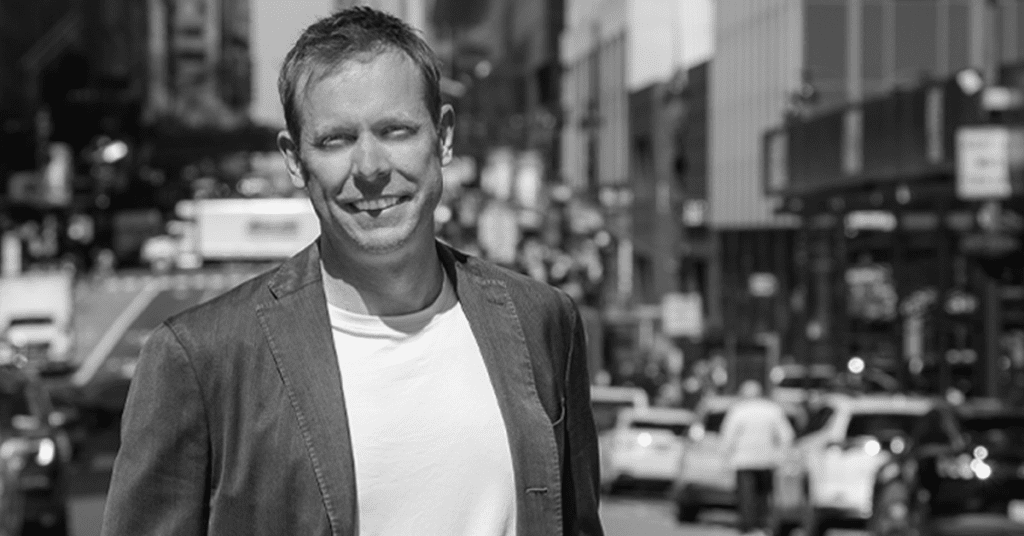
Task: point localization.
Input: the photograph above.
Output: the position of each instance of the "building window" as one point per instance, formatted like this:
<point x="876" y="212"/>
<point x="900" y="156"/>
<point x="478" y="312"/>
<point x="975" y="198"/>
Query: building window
<point x="958" y="36"/>
<point x="825" y="44"/>
<point x="916" y="28"/>
<point x="873" y="42"/>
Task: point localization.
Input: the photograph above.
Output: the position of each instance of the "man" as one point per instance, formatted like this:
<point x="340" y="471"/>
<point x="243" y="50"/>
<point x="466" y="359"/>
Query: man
<point x="754" y="433"/>
<point x="379" y="382"/>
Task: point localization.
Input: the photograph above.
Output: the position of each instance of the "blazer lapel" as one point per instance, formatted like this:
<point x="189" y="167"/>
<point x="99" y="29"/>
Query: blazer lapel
<point x="495" y="324"/>
<point x="297" y="327"/>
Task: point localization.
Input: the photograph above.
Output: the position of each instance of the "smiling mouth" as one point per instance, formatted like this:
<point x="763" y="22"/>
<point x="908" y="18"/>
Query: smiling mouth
<point x="380" y="203"/>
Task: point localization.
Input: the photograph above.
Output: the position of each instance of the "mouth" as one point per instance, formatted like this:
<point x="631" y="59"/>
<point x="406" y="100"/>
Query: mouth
<point x="377" y="204"/>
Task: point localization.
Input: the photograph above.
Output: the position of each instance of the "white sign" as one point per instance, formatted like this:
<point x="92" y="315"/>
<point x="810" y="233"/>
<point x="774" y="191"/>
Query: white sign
<point x="871" y="220"/>
<point x="682" y="314"/>
<point x="762" y="284"/>
<point x="983" y="158"/>
<point x="498" y="232"/>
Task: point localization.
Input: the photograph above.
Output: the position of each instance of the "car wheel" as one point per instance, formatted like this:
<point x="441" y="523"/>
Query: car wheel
<point x="814" y="523"/>
<point x="54" y="527"/>
<point x="687" y="512"/>
<point x="781" y="527"/>
<point x="891" y="514"/>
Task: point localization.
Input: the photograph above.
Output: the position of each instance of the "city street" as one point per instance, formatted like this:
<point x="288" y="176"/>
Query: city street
<point x="113" y="316"/>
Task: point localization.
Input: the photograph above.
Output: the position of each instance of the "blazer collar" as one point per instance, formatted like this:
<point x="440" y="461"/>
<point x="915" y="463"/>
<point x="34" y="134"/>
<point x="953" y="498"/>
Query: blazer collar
<point x="297" y="326"/>
<point x="297" y="272"/>
<point x="303" y="268"/>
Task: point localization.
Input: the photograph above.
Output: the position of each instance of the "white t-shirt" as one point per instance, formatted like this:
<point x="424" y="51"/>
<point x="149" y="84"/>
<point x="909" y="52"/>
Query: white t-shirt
<point x="430" y="447"/>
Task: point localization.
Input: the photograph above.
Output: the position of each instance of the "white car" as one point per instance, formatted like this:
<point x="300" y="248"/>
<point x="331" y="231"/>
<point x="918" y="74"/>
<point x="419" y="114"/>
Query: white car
<point x="827" y="477"/>
<point x="606" y="401"/>
<point x="705" y="479"/>
<point x="645" y="445"/>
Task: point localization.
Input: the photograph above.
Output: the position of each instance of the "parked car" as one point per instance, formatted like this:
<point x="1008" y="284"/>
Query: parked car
<point x="607" y="400"/>
<point x="34" y="445"/>
<point x="826" y="478"/>
<point x="705" y="478"/>
<point x="645" y="446"/>
<point x="962" y="474"/>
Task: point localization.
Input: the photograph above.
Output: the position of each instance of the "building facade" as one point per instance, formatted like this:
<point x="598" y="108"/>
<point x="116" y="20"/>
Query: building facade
<point x="200" y="63"/>
<point x="610" y="50"/>
<point x="912" y="264"/>
<point x="789" y="58"/>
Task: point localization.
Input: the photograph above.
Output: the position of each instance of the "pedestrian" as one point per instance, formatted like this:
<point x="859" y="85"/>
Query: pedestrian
<point x="379" y="382"/>
<point x="754" y="434"/>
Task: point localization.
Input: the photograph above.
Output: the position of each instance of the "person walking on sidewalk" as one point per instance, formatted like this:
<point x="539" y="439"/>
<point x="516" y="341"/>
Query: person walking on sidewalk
<point x="754" y="434"/>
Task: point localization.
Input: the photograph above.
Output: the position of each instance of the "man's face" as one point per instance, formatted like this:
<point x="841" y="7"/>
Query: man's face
<point x="369" y="155"/>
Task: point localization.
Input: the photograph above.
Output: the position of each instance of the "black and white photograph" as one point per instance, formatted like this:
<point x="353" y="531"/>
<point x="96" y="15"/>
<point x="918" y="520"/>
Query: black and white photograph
<point x="512" y="267"/>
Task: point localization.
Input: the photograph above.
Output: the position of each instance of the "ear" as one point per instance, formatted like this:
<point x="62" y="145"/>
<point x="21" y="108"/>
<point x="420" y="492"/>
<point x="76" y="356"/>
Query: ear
<point x="446" y="133"/>
<point x="290" y="150"/>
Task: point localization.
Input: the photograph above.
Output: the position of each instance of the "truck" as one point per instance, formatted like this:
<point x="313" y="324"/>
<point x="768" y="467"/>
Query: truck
<point x="233" y="230"/>
<point x="36" y="312"/>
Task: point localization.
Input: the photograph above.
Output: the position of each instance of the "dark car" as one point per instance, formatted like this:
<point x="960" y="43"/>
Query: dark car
<point x="961" y="474"/>
<point x="35" y="444"/>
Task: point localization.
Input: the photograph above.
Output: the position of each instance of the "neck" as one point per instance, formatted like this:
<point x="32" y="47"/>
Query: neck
<point x="394" y="284"/>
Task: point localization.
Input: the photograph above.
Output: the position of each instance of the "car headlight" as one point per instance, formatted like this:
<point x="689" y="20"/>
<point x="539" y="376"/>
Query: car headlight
<point x="963" y="467"/>
<point x="46" y="452"/>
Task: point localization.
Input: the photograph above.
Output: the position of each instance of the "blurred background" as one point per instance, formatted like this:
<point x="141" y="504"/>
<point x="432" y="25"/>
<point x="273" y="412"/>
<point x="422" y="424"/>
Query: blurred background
<point x="826" y="196"/>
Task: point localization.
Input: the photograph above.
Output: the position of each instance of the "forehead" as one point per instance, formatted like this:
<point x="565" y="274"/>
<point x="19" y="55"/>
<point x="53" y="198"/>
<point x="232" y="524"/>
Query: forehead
<point x="367" y="82"/>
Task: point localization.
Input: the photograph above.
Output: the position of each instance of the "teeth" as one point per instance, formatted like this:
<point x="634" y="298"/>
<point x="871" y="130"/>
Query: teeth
<point x="376" y="204"/>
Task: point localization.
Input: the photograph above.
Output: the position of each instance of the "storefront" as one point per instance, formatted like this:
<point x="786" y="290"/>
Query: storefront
<point x="909" y="252"/>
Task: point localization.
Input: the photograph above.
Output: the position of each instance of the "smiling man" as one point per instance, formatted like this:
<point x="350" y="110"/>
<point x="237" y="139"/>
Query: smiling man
<point x="379" y="382"/>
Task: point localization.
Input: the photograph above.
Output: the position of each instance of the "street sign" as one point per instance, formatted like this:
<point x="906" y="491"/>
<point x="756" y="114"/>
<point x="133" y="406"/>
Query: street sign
<point x="989" y="244"/>
<point x="985" y="156"/>
<point x="682" y="314"/>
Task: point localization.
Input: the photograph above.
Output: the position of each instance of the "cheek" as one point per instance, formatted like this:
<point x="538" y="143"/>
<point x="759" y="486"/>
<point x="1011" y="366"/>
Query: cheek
<point x="415" y="158"/>
<point x="326" y="172"/>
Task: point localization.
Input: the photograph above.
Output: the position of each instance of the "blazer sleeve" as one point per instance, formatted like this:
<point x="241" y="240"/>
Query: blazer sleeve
<point x="160" y="479"/>
<point x="581" y="477"/>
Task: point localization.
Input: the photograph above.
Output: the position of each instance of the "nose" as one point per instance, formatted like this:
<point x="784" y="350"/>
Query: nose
<point x="369" y="159"/>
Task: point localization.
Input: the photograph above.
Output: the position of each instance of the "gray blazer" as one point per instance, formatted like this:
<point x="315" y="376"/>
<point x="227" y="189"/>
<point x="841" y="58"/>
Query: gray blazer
<point x="235" y="421"/>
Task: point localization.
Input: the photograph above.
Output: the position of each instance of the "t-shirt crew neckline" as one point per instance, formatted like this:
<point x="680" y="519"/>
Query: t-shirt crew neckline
<point x="394" y="325"/>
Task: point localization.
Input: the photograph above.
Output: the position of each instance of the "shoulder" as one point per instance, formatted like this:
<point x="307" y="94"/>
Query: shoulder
<point x="525" y="292"/>
<point x="224" y="312"/>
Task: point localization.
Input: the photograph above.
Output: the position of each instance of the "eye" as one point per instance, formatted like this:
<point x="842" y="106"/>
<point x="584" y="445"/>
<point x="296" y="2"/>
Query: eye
<point x="335" y="140"/>
<point x="398" y="131"/>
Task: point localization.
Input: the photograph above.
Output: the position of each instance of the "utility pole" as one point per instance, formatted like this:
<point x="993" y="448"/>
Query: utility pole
<point x="992" y="318"/>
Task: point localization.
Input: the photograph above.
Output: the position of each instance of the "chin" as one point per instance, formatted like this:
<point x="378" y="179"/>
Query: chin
<point x="383" y="241"/>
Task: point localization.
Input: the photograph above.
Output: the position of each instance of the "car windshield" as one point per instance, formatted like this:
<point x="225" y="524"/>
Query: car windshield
<point x="1003" y="431"/>
<point x="881" y="425"/>
<point x="713" y="421"/>
<point x="12" y="401"/>
<point x="676" y="428"/>
<point x="606" y="412"/>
